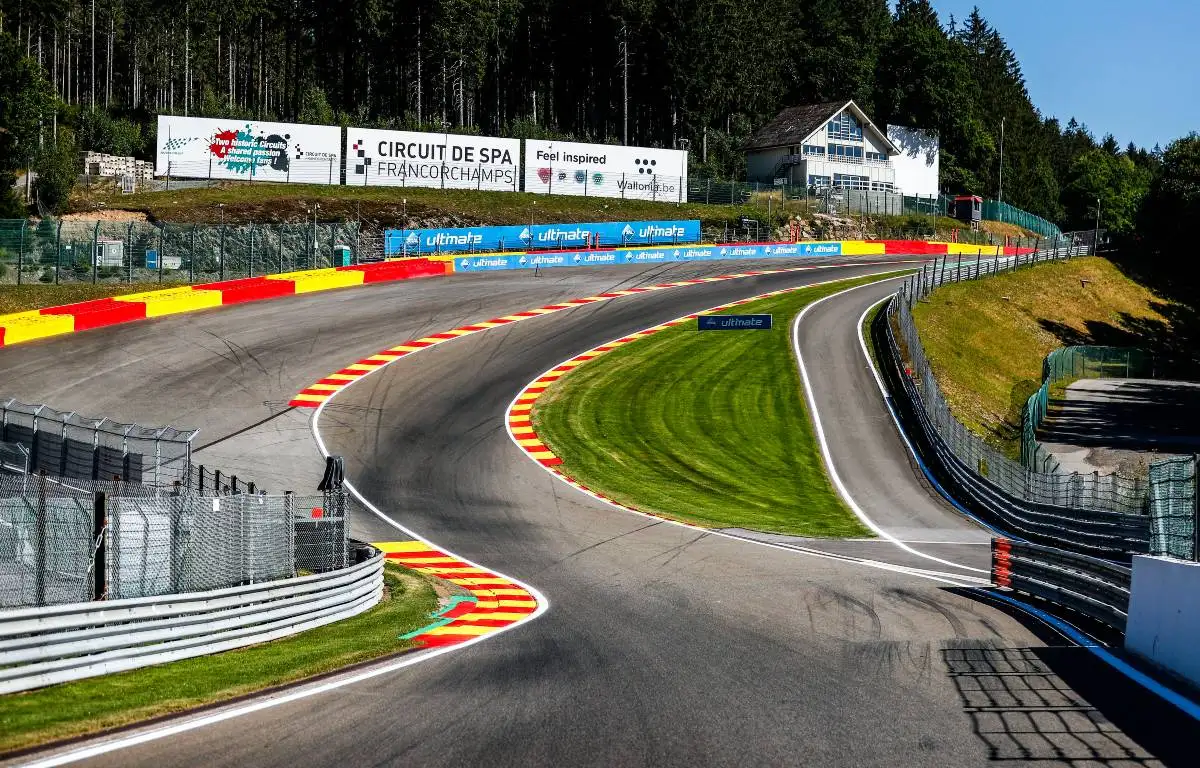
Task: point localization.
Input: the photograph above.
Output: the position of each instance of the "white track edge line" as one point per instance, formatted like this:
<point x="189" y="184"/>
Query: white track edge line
<point x="954" y="579"/>
<point x="843" y="491"/>
<point x="189" y="724"/>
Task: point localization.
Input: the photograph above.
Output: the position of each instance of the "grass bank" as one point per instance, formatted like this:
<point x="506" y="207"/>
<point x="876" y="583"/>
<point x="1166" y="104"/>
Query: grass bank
<point x="96" y="704"/>
<point x="20" y="298"/>
<point x="391" y="206"/>
<point x="710" y="428"/>
<point x="986" y="339"/>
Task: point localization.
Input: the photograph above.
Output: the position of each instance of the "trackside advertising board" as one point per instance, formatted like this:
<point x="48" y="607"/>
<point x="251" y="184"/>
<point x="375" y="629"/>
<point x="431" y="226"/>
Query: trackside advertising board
<point x="248" y="150"/>
<point x="538" y="237"/>
<point x="659" y="255"/>
<point x="441" y="160"/>
<point x="605" y="170"/>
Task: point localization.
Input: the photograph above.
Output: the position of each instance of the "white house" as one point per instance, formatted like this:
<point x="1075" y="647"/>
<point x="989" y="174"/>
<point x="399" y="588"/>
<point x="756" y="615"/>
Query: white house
<point x="822" y="145"/>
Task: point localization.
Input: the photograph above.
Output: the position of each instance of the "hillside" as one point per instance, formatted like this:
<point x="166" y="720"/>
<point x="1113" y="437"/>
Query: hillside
<point x="986" y="339"/>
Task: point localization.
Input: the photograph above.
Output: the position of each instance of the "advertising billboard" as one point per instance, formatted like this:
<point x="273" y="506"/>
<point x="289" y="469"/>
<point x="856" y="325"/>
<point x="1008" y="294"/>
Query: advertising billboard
<point x="659" y="255"/>
<point x="248" y="150"/>
<point x="440" y="160"/>
<point x="605" y="170"/>
<point x="917" y="164"/>
<point x="539" y="236"/>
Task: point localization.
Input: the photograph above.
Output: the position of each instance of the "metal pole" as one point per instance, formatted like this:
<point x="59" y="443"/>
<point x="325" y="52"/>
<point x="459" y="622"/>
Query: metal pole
<point x="1096" y="232"/>
<point x="100" y="559"/>
<point x="40" y="525"/>
<point x="21" y="247"/>
<point x="1000" y="193"/>
<point x="58" y="252"/>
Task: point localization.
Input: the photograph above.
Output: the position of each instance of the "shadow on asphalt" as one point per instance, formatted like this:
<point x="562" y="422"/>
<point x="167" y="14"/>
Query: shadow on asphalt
<point x="1135" y="415"/>
<point x="1061" y="703"/>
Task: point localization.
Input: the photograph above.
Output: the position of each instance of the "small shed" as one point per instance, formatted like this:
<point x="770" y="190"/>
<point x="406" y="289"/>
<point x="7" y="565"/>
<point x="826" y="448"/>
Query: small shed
<point x="968" y="209"/>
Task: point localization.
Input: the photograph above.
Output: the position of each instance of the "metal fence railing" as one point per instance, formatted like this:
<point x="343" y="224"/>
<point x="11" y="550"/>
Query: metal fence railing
<point x="1173" y="508"/>
<point x="994" y="210"/>
<point x="70" y="445"/>
<point x="67" y="541"/>
<point x="1096" y="588"/>
<point x="1112" y="493"/>
<point x="1071" y="363"/>
<point x="56" y="251"/>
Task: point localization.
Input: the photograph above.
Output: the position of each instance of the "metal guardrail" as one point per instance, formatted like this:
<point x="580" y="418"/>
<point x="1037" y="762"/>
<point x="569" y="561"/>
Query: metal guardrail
<point x="1095" y="532"/>
<point x="1096" y="588"/>
<point x="48" y="645"/>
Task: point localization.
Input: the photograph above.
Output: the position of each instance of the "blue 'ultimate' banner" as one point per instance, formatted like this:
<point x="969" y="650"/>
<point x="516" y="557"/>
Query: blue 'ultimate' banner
<point x="660" y="254"/>
<point x="413" y="242"/>
<point x="733" y="323"/>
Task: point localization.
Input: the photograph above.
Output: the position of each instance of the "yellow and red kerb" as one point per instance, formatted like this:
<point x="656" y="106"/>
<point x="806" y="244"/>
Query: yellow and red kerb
<point x="497" y="601"/>
<point x="317" y="393"/>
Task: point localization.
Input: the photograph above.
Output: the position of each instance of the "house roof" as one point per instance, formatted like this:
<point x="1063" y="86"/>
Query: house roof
<point x="795" y="124"/>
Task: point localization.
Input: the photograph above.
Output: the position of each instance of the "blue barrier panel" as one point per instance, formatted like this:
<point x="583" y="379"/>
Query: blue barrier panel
<point x="538" y="237"/>
<point x="733" y="322"/>
<point x="659" y="255"/>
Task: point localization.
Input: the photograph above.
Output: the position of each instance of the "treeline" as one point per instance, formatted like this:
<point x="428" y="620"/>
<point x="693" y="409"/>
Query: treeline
<point x="652" y="72"/>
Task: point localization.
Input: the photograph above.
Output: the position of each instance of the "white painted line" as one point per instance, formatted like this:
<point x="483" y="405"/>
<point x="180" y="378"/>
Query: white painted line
<point x="185" y="724"/>
<point x="954" y="579"/>
<point x="843" y="491"/>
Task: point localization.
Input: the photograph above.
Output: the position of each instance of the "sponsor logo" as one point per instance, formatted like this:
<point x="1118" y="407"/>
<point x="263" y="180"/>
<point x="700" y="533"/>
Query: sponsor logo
<point x="544" y="175"/>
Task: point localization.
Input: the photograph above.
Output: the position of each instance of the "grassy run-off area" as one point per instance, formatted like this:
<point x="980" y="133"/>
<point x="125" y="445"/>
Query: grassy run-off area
<point x="711" y="428"/>
<point x="986" y="339"/>
<point x="20" y="298"/>
<point x="95" y="704"/>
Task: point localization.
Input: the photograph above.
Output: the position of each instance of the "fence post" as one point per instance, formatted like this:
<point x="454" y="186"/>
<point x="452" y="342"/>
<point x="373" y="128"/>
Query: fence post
<point x="161" y="254"/>
<point x="221" y="256"/>
<point x="57" y="251"/>
<point x="100" y="557"/>
<point x="129" y="253"/>
<point x="192" y="257"/>
<point x="200" y="484"/>
<point x="21" y="250"/>
<point x="95" y="251"/>
<point x="40" y="556"/>
<point x="251" y="268"/>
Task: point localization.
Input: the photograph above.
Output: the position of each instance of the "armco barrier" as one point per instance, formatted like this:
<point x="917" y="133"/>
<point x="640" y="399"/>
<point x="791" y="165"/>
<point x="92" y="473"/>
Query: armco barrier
<point x="53" y="321"/>
<point x="55" y="644"/>
<point x="1094" y="532"/>
<point x="70" y="318"/>
<point x="1098" y="589"/>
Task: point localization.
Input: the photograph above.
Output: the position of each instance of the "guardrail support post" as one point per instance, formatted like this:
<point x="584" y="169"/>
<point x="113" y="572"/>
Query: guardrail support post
<point x="100" y="558"/>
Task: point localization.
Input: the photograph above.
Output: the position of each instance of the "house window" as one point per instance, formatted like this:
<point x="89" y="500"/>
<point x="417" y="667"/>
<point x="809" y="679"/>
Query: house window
<point x="878" y="157"/>
<point x="845" y="151"/>
<point x="821" y="182"/>
<point x="810" y="149"/>
<point x="844" y="126"/>
<point x="882" y="186"/>
<point x="848" y="181"/>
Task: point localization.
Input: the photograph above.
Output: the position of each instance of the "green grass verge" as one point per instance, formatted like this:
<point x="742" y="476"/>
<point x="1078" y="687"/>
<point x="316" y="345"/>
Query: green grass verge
<point x="20" y="298"/>
<point x="986" y="339"/>
<point x="88" y="706"/>
<point x="709" y="428"/>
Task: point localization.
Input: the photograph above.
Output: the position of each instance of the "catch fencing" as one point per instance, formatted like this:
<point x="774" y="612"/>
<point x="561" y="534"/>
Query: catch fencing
<point x="65" y="541"/>
<point x="1107" y="493"/>
<point x="70" y="445"/>
<point x="1072" y="363"/>
<point x="53" y="251"/>
<point x="1173" y="508"/>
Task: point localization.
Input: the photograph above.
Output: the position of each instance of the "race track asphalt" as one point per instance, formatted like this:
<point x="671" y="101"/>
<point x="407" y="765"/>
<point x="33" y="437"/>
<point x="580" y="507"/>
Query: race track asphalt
<point x="663" y="645"/>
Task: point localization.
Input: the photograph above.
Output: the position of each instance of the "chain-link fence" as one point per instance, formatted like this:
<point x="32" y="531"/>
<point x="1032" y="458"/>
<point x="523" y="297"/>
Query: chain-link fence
<point x="65" y="541"/>
<point x="1113" y="492"/>
<point x="1069" y="364"/>
<point x="71" y="445"/>
<point x="56" y="251"/>
<point x="1173" y="510"/>
<point x="994" y="210"/>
